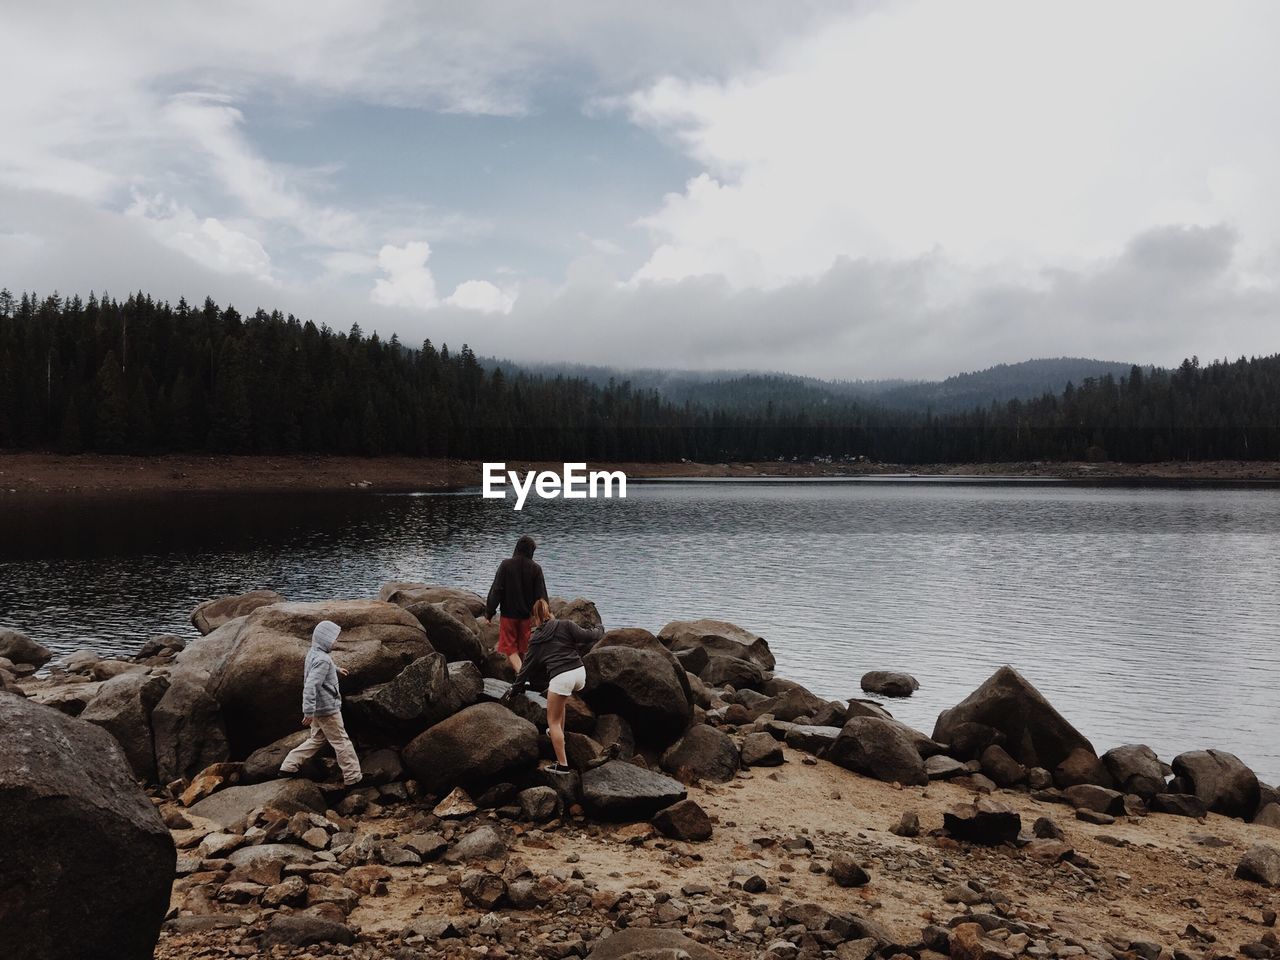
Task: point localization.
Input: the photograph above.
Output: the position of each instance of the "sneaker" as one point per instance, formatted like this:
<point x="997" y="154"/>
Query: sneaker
<point x="559" y="768"/>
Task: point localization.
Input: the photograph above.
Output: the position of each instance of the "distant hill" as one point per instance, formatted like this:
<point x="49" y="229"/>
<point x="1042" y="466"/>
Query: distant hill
<point x="740" y="390"/>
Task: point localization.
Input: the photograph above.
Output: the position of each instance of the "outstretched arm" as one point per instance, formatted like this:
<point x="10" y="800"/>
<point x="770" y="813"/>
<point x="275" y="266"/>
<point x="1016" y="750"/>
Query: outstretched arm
<point x="584" y="637"/>
<point x="495" y="596"/>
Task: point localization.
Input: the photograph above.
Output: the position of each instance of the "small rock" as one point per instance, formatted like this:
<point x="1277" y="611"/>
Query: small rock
<point x="847" y="872"/>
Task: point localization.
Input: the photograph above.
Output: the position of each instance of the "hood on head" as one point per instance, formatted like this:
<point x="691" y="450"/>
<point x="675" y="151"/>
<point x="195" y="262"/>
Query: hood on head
<point x="525" y="547"/>
<point x="324" y="635"/>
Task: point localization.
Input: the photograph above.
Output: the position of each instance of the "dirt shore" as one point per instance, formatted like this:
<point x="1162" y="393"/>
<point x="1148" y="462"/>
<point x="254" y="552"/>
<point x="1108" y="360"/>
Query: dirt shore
<point x="89" y="474"/>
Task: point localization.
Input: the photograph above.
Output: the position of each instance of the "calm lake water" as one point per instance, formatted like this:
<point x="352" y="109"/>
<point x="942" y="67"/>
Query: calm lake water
<point x="1144" y="614"/>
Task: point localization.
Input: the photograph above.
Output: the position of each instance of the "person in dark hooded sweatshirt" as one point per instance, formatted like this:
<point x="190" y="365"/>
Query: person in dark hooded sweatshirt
<point x="516" y="587"/>
<point x="554" y="663"/>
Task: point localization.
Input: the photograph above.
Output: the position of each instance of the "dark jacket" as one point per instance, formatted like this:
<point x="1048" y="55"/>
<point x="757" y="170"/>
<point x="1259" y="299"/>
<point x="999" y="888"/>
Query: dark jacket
<point x="518" y="584"/>
<point x="556" y="647"/>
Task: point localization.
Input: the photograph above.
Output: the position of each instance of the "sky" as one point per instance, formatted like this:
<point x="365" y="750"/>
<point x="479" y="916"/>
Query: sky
<point x="850" y="190"/>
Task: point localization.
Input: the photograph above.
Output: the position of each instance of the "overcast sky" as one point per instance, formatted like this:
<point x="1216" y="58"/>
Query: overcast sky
<point x="842" y="189"/>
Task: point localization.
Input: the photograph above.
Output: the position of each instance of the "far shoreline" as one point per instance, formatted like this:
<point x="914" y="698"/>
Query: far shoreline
<point x="89" y="475"/>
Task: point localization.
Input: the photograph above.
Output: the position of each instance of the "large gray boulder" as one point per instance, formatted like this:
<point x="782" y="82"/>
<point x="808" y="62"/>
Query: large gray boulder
<point x="717" y="637"/>
<point x="642" y="686"/>
<point x="618" y="790"/>
<point x="448" y="634"/>
<point x="423" y="694"/>
<point x="580" y="610"/>
<point x="403" y="593"/>
<point x="1028" y="726"/>
<point x="890" y="683"/>
<point x="477" y="746"/>
<point x="878" y="748"/>
<point x="234" y="804"/>
<point x="19" y="648"/>
<point x="703" y="753"/>
<point x="88" y="863"/>
<point x="212" y="614"/>
<point x="187" y="729"/>
<point x="637" y="638"/>
<point x="1136" y="769"/>
<point x="123" y="708"/>
<point x="257" y="673"/>
<point x="1221" y="780"/>
<point x="736" y="672"/>
<point x="649" y="943"/>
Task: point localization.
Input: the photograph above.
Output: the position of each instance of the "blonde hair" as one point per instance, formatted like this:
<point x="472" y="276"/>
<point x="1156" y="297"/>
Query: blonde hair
<point x="541" y="612"/>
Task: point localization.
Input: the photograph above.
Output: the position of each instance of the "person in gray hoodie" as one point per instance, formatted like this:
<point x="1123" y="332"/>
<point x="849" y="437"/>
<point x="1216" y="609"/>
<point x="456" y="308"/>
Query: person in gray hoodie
<point x="322" y="708"/>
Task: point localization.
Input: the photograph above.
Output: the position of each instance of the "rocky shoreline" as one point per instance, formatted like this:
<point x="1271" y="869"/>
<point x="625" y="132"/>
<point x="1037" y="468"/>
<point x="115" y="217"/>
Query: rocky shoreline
<point x="99" y="475"/>
<point x="716" y="809"/>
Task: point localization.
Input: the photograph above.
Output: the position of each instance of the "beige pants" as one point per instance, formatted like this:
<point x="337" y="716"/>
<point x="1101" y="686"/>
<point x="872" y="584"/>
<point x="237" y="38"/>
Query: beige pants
<point x="326" y="729"/>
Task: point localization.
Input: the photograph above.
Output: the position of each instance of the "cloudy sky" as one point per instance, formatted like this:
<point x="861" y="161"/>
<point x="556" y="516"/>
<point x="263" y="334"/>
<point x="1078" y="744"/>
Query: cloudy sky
<point x="844" y="189"/>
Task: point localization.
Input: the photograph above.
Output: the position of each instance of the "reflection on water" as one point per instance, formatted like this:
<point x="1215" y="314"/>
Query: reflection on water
<point x="1145" y="615"/>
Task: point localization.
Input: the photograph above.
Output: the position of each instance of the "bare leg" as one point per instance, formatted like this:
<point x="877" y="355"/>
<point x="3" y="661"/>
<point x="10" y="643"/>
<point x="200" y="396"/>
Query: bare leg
<point x="515" y="661"/>
<point x="555" y="724"/>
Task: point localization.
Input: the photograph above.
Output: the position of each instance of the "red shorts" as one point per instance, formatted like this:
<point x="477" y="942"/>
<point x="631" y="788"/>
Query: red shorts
<point x="513" y="636"/>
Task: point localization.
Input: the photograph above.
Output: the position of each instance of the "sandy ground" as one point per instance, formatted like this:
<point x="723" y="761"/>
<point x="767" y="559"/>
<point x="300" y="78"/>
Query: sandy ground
<point x="89" y="474"/>
<point x="1155" y="875"/>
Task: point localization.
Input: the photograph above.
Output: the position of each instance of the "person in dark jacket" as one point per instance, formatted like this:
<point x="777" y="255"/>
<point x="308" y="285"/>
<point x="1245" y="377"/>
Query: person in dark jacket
<point x="516" y="587"/>
<point x="554" y="663"/>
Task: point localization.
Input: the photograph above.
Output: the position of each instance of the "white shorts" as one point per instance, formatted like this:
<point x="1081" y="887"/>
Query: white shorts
<point x="568" y="683"/>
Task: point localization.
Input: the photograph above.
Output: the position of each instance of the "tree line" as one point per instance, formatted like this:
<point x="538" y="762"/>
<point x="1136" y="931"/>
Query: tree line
<point x="145" y="376"/>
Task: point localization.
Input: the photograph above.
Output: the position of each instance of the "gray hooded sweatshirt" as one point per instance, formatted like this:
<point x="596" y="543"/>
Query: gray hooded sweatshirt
<point x="320" y="694"/>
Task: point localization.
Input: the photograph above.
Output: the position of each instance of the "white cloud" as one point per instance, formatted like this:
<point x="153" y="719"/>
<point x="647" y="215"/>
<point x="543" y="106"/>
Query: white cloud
<point x="206" y="240"/>
<point x="1005" y="133"/>
<point x="482" y="296"/>
<point x="408" y="281"/>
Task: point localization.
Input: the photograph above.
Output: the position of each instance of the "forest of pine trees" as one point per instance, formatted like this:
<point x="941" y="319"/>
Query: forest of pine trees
<point x="141" y="376"/>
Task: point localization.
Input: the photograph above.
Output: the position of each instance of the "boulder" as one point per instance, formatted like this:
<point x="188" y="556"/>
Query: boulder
<point x="304" y="930"/>
<point x="20" y="648"/>
<point x="1179" y="805"/>
<point x="812" y="739"/>
<point x="639" y="639"/>
<point x="866" y="708"/>
<point x="986" y="822"/>
<point x="1089" y="796"/>
<point x="717" y="637"/>
<point x="1081" y="766"/>
<point x="1269" y="816"/>
<point x="231" y="806"/>
<point x="187" y="729"/>
<point x="650" y="943"/>
<point x="642" y="686"/>
<point x="789" y="705"/>
<point x="880" y="749"/>
<point x="703" y="753"/>
<point x="614" y="731"/>
<point x="1033" y="732"/>
<point x="422" y="694"/>
<point x="123" y="708"/>
<point x="1003" y="770"/>
<point x="258" y="677"/>
<point x="890" y="683"/>
<point x="1261" y="864"/>
<point x="448" y="635"/>
<point x="78" y="661"/>
<point x="761" y="750"/>
<point x="1135" y="768"/>
<point x="847" y="872"/>
<point x="581" y="611"/>
<point x="685" y="820"/>
<point x="618" y="790"/>
<point x="264" y="763"/>
<point x="475" y="746"/>
<point x="942" y="767"/>
<point x="211" y="614"/>
<point x="1220" y="780"/>
<point x="88" y="863"/>
<point x="482" y="843"/>
<point x="402" y="594"/>
<point x="735" y="672"/>
<point x="539" y="804"/>
<point x="161" y="647"/>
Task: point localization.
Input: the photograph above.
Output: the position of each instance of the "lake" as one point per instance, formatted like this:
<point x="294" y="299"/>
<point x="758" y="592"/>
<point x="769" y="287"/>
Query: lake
<point x="1144" y="614"/>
